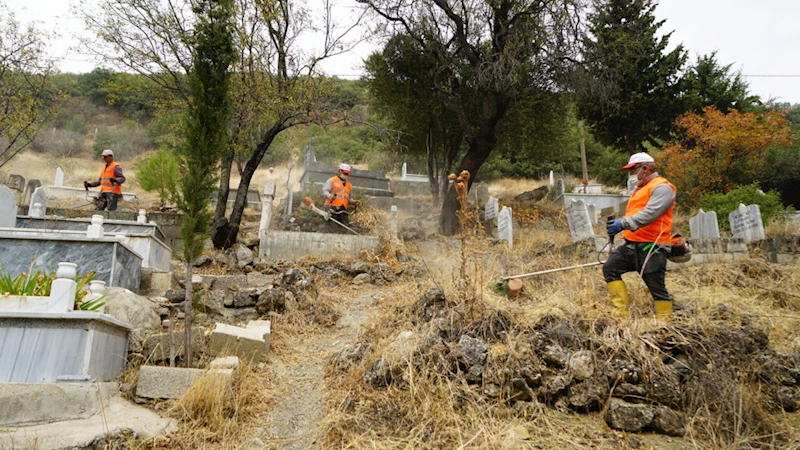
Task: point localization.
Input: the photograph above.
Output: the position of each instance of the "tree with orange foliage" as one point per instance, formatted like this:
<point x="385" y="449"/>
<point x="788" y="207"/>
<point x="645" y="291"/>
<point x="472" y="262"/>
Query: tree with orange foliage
<point x="719" y="151"/>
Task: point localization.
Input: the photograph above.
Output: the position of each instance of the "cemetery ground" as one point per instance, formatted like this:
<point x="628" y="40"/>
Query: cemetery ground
<point x="414" y="345"/>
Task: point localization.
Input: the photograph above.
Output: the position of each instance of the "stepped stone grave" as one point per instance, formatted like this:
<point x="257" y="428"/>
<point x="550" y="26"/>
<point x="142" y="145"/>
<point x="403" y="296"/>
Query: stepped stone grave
<point x="704" y="225"/>
<point x="580" y="223"/>
<point x="746" y="223"/>
<point x="491" y="208"/>
<point x="38" y="197"/>
<point x="8" y="208"/>
<point x="58" y="181"/>
<point x="505" y="226"/>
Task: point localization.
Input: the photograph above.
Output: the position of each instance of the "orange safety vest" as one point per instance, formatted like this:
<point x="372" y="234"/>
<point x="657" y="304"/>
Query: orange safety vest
<point x="660" y="230"/>
<point x="341" y="193"/>
<point x="105" y="180"/>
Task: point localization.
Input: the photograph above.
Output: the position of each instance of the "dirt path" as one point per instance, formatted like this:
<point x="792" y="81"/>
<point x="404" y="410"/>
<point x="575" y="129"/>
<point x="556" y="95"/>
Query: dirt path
<point x="294" y="422"/>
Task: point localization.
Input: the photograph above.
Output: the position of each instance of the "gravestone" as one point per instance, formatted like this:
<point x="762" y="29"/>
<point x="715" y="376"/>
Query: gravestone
<point x="746" y="223"/>
<point x="38" y="197"/>
<point x="592" y="212"/>
<point x="559" y="187"/>
<point x="8" y="208"/>
<point x="505" y="226"/>
<point x="605" y="212"/>
<point x="266" y="209"/>
<point x="393" y="222"/>
<point x="403" y="171"/>
<point x="17" y="184"/>
<point x="492" y="207"/>
<point x="58" y="181"/>
<point x="29" y="188"/>
<point x="35" y="211"/>
<point x="621" y="208"/>
<point x="552" y="183"/>
<point x="704" y="225"/>
<point x="580" y="224"/>
<point x="287" y="213"/>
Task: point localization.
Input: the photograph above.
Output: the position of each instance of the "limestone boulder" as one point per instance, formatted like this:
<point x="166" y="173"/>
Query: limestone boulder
<point x="137" y="311"/>
<point x="629" y="417"/>
<point x="669" y="422"/>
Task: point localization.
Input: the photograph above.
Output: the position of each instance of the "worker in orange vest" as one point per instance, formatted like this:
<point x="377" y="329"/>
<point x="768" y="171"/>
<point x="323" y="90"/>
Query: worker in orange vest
<point x="110" y="182"/>
<point x="647" y="230"/>
<point x="337" y="191"/>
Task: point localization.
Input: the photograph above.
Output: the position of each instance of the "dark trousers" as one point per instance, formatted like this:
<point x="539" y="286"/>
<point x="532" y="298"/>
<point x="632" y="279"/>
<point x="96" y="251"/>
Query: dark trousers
<point x="339" y="214"/>
<point x="631" y="257"/>
<point x="107" y="200"/>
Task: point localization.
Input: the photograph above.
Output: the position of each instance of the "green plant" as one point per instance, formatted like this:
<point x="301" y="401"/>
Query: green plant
<point x="39" y="283"/>
<point x="80" y="293"/>
<point x="724" y="204"/>
<point x="160" y="172"/>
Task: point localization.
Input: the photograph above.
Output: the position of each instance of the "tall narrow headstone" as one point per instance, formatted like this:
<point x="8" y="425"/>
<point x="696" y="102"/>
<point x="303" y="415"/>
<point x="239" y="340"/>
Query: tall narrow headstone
<point x="287" y="213"/>
<point x="17" y="185"/>
<point x="38" y="197"/>
<point x="552" y="183"/>
<point x="704" y="225"/>
<point x="393" y="222"/>
<point x="403" y="171"/>
<point x="559" y="187"/>
<point x="58" y="181"/>
<point x="492" y="207"/>
<point x="505" y="226"/>
<point x="8" y="208"/>
<point x="266" y="209"/>
<point x="580" y="225"/>
<point x="746" y="223"/>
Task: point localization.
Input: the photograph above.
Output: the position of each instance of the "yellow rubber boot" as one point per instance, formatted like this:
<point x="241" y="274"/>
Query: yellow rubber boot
<point x="619" y="297"/>
<point x="663" y="309"/>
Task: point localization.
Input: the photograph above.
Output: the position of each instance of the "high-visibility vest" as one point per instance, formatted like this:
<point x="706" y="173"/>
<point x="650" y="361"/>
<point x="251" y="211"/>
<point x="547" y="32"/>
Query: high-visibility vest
<point x="341" y="192"/>
<point x="660" y="230"/>
<point x="105" y="179"/>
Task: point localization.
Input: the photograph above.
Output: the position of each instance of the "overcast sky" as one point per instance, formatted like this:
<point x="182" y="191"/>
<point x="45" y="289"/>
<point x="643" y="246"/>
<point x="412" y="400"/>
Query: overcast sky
<point x="757" y="37"/>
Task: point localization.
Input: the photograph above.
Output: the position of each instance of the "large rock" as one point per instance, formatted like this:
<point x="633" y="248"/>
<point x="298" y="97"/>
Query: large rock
<point x="471" y="351"/>
<point x="271" y="300"/>
<point x="429" y="305"/>
<point x="629" y="417"/>
<point x="165" y="382"/>
<point x="244" y="256"/>
<point x="581" y="365"/>
<point x="137" y="311"/>
<point x="669" y="422"/>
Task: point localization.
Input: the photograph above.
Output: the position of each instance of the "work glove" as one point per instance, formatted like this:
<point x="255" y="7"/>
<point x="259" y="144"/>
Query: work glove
<point x="614" y="226"/>
<point x="85" y="184"/>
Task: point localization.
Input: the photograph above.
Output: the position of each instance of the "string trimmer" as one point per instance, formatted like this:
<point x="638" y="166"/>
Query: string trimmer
<point x="326" y="215"/>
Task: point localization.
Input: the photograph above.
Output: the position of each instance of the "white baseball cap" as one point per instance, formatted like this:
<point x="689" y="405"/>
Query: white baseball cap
<point x="345" y="168"/>
<point x="638" y="158"/>
<point x="107" y="152"/>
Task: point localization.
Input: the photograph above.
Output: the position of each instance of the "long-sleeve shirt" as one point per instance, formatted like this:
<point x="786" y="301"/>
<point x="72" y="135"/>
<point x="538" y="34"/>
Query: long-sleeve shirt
<point x="117" y="174"/>
<point x="660" y="201"/>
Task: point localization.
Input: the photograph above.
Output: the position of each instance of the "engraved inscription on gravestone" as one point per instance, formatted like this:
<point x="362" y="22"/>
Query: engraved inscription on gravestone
<point x="492" y="207"/>
<point x="746" y="223"/>
<point x="505" y="226"/>
<point x="580" y="225"/>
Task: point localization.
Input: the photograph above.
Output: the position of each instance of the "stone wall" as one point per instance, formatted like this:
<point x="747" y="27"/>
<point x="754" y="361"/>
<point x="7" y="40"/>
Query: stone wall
<point x="780" y="250"/>
<point x="296" y="244"/>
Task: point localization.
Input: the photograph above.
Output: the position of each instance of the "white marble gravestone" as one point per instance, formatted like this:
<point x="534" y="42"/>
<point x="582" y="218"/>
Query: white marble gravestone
<point x="58" y="181"/>
<point x="704" y="225"/>
<point x="552" y="183"/>
<point x="35" y="211"/>
<point x="8" y="208"/>
<point x="592" y="208"/>
<point x="38" y="197"/>
<point x="505" y="226"/>
<point x="580" y="224"/>
<point x="491" y="208"/>
<point x="266" y="208"/>
<point x="559" y="187"/>
<point x="746" y="223"/>
<point x="393" y="222"/>
<point x="403" y="171"/>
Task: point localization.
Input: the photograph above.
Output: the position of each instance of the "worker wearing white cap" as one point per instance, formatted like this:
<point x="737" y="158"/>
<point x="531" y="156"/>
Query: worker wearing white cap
<point x="110" y="182"/>
<point x="337" y="191"/>
<point x="647" y="230"/>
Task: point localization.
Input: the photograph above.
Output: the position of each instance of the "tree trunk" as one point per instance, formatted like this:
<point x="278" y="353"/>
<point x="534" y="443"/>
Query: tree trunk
<point x="187" y="310"/>
<point x="247" y="175"/>
<point x="224" y="185"/>
<point x="433" y="172"/>
<point x="493" y="107"/>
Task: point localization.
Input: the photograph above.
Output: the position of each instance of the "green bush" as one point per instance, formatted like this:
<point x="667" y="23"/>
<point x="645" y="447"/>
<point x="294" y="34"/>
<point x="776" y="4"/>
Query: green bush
<point x="160" y="172"/>
<point x="724" y="204"/>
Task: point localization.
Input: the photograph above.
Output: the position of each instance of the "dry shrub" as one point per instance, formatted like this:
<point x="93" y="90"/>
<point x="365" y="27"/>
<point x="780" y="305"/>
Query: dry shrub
<point x="222" y="410"/>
